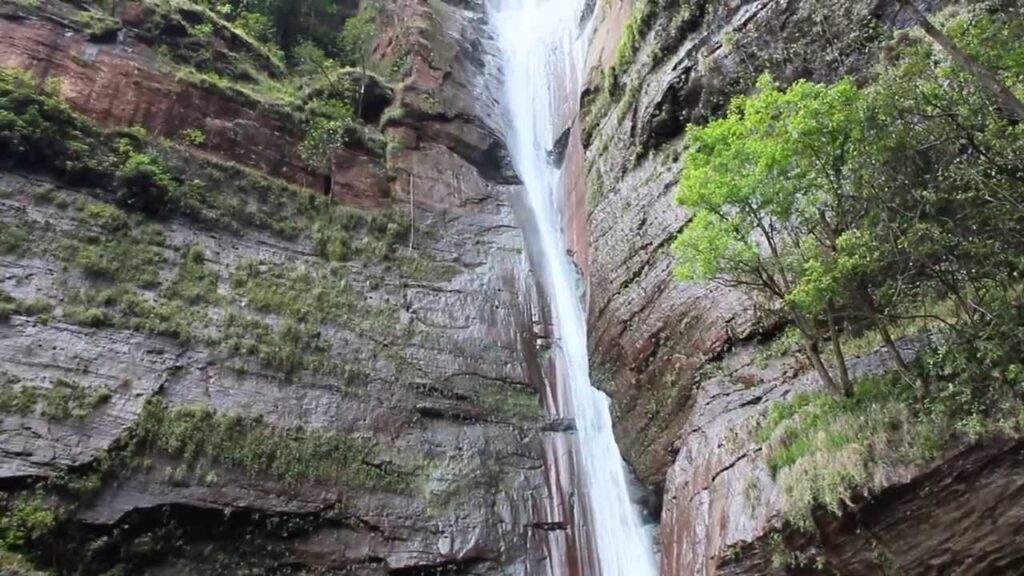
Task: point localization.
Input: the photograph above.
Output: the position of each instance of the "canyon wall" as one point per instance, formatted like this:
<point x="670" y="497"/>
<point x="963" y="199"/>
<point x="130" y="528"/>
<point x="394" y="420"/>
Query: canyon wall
<point x="687" y="364"/>
<point x="151" y="422"/>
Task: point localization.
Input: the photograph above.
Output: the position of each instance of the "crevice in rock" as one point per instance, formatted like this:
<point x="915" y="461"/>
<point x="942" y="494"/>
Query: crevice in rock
<point x="471" y="565"/>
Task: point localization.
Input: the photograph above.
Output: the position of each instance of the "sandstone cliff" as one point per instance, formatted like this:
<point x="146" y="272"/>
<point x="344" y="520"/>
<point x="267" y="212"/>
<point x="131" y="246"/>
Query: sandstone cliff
<point x="688" y="365"/>
<point x="281" y="381"/>
<point x="302" y="370"/>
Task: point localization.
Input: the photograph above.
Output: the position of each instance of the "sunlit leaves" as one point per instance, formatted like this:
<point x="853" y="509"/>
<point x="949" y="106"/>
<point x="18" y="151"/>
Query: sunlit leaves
<point x="764" y="183"/>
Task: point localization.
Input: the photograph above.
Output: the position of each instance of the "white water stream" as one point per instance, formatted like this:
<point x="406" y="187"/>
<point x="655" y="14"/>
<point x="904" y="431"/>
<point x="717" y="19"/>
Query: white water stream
<point x="544" y="45"/>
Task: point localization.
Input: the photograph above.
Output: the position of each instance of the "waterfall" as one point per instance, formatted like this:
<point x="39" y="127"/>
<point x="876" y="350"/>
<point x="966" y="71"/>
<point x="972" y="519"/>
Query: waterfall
<point x="544" y="43"/>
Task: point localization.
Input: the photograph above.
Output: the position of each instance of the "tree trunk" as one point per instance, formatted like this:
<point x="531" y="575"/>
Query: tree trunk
<point x="837" y="352"/>
<point x="811" y="349"/>
<point x="871" y="311"/>
<point x="810" y="346"/>
<point x="897" y="358"/>
<point x="990" y="83"/>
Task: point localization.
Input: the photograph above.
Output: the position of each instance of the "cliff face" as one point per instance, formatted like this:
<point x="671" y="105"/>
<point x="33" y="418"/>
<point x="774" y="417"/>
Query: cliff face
<point x="651" y="333"/>
<point x="336" y="370"/>
<point x="282" y="385"/>
<point x="686" y="364"/>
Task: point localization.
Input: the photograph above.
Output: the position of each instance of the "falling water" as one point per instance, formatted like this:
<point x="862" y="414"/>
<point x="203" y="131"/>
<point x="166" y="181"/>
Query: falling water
<point x="544" y="44"/>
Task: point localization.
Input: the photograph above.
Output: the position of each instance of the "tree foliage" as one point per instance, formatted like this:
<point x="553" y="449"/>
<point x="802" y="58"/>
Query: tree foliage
<point x="357" y="39"/>
<point x="769" y="184"/>
<point x="323" y="137"/>
<point x="854" y="208"/>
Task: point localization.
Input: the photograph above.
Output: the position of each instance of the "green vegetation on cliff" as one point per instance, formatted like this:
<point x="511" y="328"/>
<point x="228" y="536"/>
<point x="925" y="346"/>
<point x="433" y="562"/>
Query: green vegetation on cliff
<point x="863" y="212"/>
<point x="122" y="270"/>
<point x="9" y="306"/>
<point x="127" y="235"/>
<point x="62" y="400"/>
<point x="202" y="438"/>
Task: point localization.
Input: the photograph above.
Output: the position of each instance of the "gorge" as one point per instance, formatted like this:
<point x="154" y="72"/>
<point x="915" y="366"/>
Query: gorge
<point x="425" y="287"/>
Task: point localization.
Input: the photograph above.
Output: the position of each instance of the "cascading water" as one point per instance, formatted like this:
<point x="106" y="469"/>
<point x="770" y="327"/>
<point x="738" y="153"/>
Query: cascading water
<point x="544" y="44"/>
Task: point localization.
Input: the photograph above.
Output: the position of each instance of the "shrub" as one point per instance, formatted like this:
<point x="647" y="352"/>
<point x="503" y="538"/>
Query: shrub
<point x="193" y="136"/>
<point x="144" y="185"/>
<point x="9" y="305"/>
<point x="106" y="217"/>
<point x="119" y="258"/>
<point x="323" y="138"/>
<point x="822" y="448"/>
<point x="99" y="26"/>
<point x="287" y="348"/>
<point x="23" y="520"/>
<point x="65" y="400"/>
<point x="38" y="129"/>
<point x="13" y="239"/>
<point x="196" y="282"/>
<point x="86" y="316"/>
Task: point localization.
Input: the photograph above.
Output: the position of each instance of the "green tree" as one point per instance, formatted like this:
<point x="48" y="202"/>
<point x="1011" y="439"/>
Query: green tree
<point x="988" y="80"/>
<point x="766" y="187"/>
<point x="312" y="61"/>
<point x="324" y="136"/>
<point x="859" y="208"/>
<point x="947" y="204"/>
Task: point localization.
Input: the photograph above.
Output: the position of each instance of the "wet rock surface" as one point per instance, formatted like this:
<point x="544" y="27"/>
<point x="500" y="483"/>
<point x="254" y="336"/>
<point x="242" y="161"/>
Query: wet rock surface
<point x="681" y="360"/>
<point x="444" y="399"/>
<point x="719" y="492"/>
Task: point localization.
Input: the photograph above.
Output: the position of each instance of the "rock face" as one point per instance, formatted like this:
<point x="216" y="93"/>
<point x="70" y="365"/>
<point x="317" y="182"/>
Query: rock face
<point x="719" y="493"/>
<point x="439" y="385"/>
<point x="678" y="359"/>
<point x="649" y="332"/>
<point x="120" y="84"/>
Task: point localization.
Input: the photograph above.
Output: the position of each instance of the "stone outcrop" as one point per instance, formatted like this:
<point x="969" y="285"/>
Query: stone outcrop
<point x="442" y="392"/>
